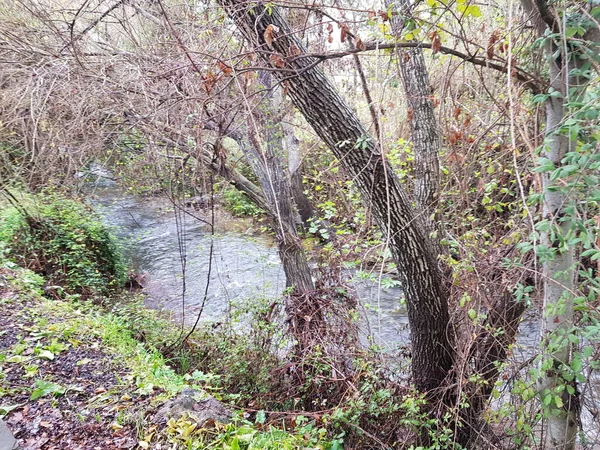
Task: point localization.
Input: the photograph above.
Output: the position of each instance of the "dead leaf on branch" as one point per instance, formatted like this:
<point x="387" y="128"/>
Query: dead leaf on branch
<point x="268" y="34"/>
<point x="277" y="61"/>
<point x="495" y="37"/>
<point x="330" y="31"/>
<point x="345" y="31"/>
<point x="293" y="51"/>
<point x="224" y="68"/>
<point x="385" y="16"/>
<point x="436" y="42"/>
<point x="360" y="44"/>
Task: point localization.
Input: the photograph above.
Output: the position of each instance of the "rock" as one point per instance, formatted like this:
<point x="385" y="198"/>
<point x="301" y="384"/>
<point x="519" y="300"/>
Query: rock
<point x="199" y="202"/>
<point x="199" y="406"/>
<point x="7" y="440"/>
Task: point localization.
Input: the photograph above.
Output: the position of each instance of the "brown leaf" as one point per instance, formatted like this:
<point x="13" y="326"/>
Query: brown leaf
<point x="360" y="44"/>
<point x="436" y="42"/>
<point x="293" y="51"/>
<point x="409" y="115"/>
<point x="495" y="37"/>
<point x="268" y="34"/>
<point x="456" y="112"/>
<point x="344" y="32"/>
<point x="224" y="68"/>
<point x="455" y="137"/>
<point x="384" y="15"/>
<point x="277" y="61"/>
<point x="330" y="31"/>
<point x="467" y="121"/>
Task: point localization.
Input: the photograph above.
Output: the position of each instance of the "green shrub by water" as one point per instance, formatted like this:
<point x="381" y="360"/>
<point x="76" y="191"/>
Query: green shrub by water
<point x="64" y="241"/>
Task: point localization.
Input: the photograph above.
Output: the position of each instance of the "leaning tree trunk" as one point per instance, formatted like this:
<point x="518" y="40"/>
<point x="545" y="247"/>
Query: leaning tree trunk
<point x="338" y="126"/>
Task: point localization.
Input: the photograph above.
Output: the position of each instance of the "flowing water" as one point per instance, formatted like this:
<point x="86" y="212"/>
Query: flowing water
<point x="242" y="267"/>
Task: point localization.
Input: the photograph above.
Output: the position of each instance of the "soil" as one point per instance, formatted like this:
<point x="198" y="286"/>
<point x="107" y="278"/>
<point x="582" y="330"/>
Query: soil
<point x="92" y="414"/>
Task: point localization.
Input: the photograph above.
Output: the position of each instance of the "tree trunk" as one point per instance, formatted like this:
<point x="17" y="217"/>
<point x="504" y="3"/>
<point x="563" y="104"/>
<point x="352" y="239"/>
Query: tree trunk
<point x="558" y="280"/>
<point x="338" y="126"/>
<point x="265" y="158"/>
<point x="292" y="145"/>
<point x="559" y="266"/>
<point x="424" y="128"/>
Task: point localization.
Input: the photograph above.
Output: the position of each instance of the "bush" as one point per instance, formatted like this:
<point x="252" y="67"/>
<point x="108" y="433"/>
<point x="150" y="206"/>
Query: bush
<point x="238" y="204"/>
<point x="63" y="241"/>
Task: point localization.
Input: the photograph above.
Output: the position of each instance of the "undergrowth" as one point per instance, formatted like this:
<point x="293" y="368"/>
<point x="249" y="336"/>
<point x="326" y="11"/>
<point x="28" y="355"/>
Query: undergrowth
<point x="62" y="240"/>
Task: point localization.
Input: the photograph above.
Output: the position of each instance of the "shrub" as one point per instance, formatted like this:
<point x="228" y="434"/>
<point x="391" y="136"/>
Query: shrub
<point x="63" y="241"/>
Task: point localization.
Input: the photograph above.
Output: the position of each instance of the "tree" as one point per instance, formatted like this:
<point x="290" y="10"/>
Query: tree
<point x="569" y="61"/>
<point x="393" y="209"/>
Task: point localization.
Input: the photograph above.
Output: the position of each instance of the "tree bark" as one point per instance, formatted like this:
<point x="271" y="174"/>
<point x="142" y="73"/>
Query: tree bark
<point x="559" y="270"/>
<point x="424" y="130"/>
<point x="338" y="126"/>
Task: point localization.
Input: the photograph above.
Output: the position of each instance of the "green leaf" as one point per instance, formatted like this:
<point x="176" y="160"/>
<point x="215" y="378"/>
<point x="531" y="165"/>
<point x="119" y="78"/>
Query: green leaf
<point x="558" y="401"/>
<point x="46" y="354"/>
<point x="6" y="409"/>
<point x="260" y="417"/>
<point x="44" y="388"/>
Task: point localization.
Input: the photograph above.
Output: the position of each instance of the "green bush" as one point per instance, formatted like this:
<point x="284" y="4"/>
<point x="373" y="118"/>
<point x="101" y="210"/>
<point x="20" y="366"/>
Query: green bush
<point x="63" y="241"/>
<point x="238" y="203"/>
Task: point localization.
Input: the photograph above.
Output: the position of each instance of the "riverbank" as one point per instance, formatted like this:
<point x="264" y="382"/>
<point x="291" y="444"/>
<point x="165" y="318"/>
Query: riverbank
<point x="77" y="375"/>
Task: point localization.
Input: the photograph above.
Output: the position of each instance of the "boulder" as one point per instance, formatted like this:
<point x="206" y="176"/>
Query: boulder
<point x="7" y="440"/>
<point x="199" y="406"/>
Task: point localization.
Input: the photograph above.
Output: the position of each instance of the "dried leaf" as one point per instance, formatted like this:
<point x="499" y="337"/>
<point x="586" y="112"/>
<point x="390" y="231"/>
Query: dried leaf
<point x="436" y="42"/>
<point x="224" y="68"/>
<point x="455" y="137"/>
<point x="293" y="51"/>
<point x="268" y="34"/>
<point x="360" y="44"/>
<point x="384" y="15"/>
<point x="344" y="32"/>
<point x="277" y="61"/>
<point x="409" y="115"/>
<point x="495" y="37"/>
<point x="456" y="112"/>
<point x="330" y="31"/>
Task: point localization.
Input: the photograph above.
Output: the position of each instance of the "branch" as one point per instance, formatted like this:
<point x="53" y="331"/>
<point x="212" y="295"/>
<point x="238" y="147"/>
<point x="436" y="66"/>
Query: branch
<point x="533" y="83"/>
